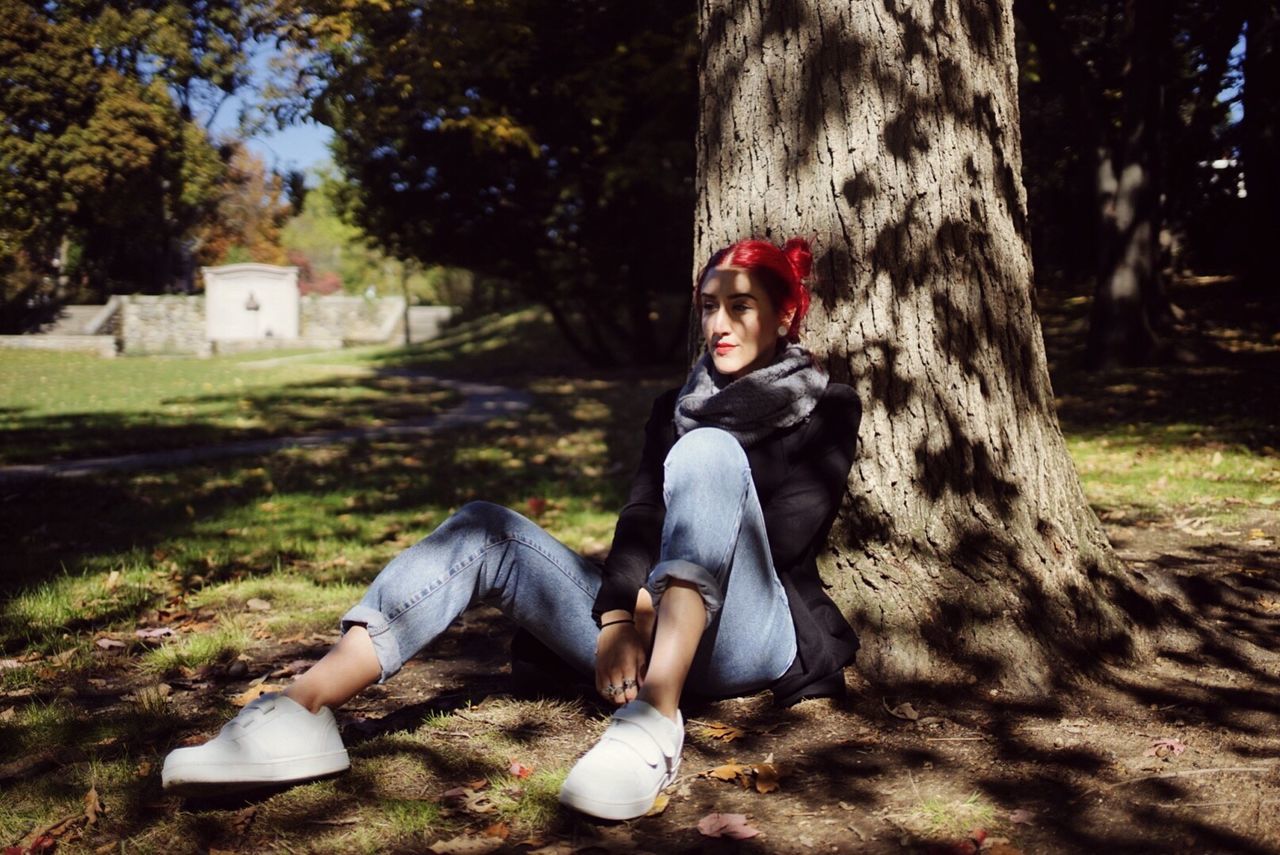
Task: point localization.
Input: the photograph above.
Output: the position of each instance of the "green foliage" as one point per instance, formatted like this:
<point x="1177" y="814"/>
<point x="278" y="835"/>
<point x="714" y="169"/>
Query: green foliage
<point x="547" y="144"/>
<point x="326" y="247"/>
<point x="104" y="153"/>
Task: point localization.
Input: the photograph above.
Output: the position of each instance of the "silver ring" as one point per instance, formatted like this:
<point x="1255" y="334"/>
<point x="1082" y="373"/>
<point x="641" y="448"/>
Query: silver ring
<point x="613" y="690"/>
<point x="628" y="684"/>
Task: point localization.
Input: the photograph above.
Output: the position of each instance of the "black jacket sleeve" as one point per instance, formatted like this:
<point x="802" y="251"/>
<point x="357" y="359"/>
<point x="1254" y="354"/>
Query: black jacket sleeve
<point x="637" y="536"/>
<point x="806" y="501"/>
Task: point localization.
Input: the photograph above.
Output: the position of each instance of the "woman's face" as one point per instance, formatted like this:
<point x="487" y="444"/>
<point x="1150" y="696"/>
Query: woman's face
<point x="739" y="322"/>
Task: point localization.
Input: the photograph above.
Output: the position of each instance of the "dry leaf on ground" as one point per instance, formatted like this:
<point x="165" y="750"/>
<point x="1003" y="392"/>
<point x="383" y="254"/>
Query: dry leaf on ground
<point x="156" y="632"/>
<point x="659" y="805"/>
<point x="499" y="830"/>
<point x="253" y="693"/>
<point x="1022" y="816"/>
<point x="762" y="777"/>
<point x="721" y="731"/>
<point x="519" y="770"/>
<point x="904" y="711"/>
<point x="731" y="825"/>
<point x="109" y="643"/>
<point x="256" y="604"/>
<point x="92" y="806"/>
<point x="468" y="800"/>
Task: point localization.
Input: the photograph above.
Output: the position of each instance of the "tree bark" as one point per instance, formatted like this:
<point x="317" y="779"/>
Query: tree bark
<point x="1130" y="299"/>
<point x="1261" y="142"/>
<point x="888" y="134"/>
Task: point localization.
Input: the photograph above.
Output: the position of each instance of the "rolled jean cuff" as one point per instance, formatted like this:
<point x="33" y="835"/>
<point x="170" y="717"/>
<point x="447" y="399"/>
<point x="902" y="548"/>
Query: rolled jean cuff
<point x="385" y="645"/>
<point x="686" y="571"/>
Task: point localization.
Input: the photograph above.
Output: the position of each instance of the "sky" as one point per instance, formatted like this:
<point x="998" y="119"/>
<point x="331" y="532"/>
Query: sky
<point x="305" y="146"/>
<point x="302" y="146"/>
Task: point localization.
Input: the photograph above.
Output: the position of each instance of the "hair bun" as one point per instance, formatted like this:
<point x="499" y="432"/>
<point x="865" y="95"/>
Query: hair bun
<point x="801" y="258"/>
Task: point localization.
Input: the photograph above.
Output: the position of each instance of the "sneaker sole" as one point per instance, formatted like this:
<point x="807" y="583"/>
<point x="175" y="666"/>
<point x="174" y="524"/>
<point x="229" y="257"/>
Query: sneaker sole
<point x="613" y="810"/>
<point x="223" y="777"/>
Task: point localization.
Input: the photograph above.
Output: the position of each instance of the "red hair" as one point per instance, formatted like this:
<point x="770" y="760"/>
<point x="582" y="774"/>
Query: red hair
<point x="781" y="271"/>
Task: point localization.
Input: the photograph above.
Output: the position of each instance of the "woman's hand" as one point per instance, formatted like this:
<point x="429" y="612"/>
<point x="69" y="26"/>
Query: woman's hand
<point x="620" y="662"/>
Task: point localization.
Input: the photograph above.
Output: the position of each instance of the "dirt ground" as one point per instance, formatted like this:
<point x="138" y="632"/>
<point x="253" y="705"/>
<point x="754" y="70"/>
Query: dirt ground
<point x="1180" y="756"/>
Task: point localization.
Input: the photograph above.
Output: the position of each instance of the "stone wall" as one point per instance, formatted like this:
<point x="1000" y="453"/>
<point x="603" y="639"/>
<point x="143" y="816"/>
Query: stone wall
<point x="163" y="324"/>
<point x="177" y="324"/>
<point x="100" y="345"/>
<point x="354" y="320"/>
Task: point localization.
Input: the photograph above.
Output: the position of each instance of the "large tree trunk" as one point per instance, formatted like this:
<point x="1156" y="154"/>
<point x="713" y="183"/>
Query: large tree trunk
<point x="1261" y="142"/>
<point x="1130" y="301"/>
<point x="888" y="133"/>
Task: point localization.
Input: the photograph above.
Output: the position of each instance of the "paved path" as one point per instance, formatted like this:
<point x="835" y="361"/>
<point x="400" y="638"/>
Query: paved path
<point x="480" y="404"/>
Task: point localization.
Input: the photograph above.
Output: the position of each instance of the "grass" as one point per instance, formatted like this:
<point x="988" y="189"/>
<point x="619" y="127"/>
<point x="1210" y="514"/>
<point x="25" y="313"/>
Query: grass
<point x="937" y="816"/>
<point x="306" y="529"/>
<point x="66" y="405"/>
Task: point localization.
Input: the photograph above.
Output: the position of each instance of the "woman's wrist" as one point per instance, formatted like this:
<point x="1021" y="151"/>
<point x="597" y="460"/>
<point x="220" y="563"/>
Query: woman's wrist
<point x="605" y="624"/>
<point x="615" y="614"/>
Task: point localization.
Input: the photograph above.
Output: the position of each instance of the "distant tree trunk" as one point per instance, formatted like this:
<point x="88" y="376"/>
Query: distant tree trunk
<point x="1130" y="299"/>
<point x="1261" y="143"/>
<point x="888" y="133"/>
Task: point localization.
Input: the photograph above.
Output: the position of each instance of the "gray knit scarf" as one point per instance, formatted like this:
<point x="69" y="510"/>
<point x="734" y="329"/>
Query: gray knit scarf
<point x="780" y="395"/>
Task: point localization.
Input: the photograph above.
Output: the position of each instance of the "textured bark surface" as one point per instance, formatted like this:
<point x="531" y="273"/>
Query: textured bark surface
<point x="1130" y="299"/>
<point x="887" y="133"/>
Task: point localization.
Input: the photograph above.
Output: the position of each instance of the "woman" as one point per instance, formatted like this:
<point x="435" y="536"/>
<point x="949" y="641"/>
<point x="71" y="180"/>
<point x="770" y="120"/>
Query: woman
<point x="711" y="582"/>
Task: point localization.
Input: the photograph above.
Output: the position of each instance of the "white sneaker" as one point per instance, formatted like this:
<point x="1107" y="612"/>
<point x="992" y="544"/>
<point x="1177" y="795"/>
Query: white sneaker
<point x="634" y="760"/>
<point x="274" y="740"/>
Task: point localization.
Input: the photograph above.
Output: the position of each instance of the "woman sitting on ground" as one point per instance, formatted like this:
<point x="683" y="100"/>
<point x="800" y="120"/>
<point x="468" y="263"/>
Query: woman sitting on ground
<point x="711" y="582"/>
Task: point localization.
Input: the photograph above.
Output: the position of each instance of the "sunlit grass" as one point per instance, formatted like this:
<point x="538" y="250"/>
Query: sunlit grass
<point x="220" y="644"/>
<point x="74" y="405"/>
<point x="943" y="817"/>
<point x="1140" y="468"/>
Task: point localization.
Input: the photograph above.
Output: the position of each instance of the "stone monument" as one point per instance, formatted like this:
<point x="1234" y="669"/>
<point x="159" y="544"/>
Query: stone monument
<point x="250" y="302"/>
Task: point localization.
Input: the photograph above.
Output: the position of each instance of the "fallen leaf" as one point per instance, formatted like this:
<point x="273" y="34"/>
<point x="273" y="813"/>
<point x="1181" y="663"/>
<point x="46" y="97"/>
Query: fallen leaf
<point x="731" y="771"/>
<point x="721" y="731"/>
<point x="256" y="604"/>
<point x="904" y="711"/>
<point x="499" y="830"/>
<point x="766" y="775"/>
<point x="519" y="770"/>
<point x="467" y="845"/>
<point x="253" y="693"/>
<point x="1022" y="816"/>
<point x="1165" y="747"/>
<point x="731" y="825"/>
<point x="109" y="643"/>
<point x="659" y="805"/>
<point x="468" y="800"/>
<point x="92" y="806"/>
<point x="157" y="632"/>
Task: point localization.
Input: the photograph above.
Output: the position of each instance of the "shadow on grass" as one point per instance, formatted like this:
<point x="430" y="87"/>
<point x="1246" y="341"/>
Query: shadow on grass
<point x="1219" y="386"/>
<point x="292" y="410"/>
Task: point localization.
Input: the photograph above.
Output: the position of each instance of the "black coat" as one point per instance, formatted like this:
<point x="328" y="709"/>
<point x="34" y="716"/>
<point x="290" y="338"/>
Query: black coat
<point x="800" y="475"/>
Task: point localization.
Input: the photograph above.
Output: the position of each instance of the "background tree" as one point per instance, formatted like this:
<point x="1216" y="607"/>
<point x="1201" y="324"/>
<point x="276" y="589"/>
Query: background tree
<point x="1260" y="143"/>
<point x="251" y="214"/>
<point x="106" y="165"/>
<point x="1123" y="116"/>
<point x="546" y="144"/>
<point x="890" y="133"/>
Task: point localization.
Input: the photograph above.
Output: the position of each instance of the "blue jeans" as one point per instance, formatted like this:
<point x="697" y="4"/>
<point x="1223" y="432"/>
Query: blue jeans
<point x="713" y="537"/>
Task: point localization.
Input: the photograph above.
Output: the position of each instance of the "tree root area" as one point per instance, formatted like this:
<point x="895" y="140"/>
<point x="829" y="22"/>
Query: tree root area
<point x="1178" y="753"/>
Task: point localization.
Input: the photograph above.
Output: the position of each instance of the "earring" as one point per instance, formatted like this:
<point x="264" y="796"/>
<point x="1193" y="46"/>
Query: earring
<point x="782" y="330"/>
